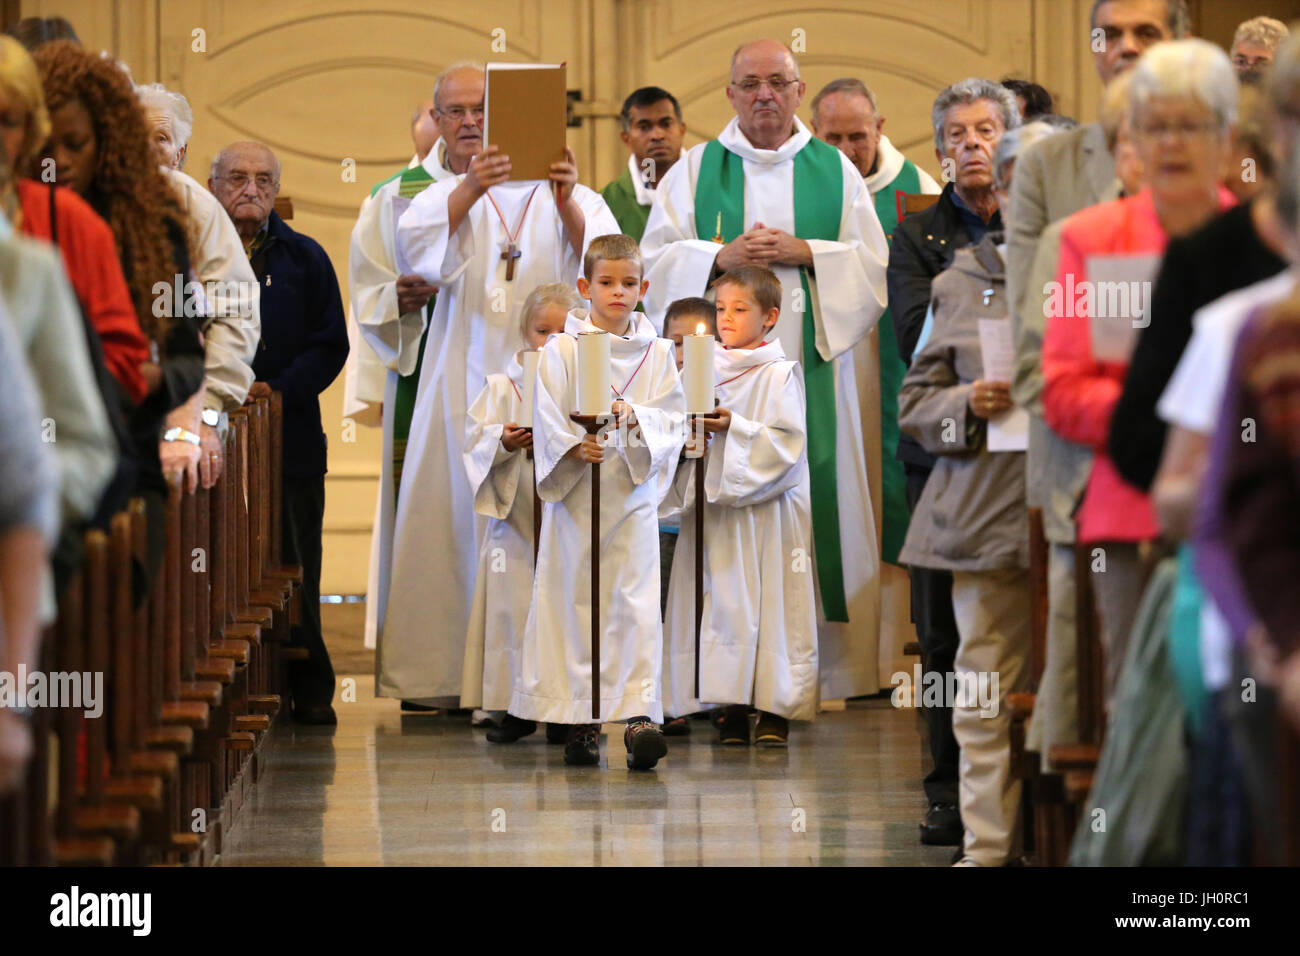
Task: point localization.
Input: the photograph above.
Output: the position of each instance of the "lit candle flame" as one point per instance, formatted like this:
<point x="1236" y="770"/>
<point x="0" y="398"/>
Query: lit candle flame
<point x="699" y="329"/>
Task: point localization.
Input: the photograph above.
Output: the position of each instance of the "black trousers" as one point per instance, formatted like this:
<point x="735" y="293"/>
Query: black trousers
<point x="311" y="682"/>
<point x="936" y="631"/>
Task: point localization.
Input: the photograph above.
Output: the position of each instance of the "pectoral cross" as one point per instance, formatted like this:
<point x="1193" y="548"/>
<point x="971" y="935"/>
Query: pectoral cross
<point x="510" y="254"/>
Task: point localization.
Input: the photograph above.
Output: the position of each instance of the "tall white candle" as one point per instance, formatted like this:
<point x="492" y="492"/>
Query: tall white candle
<point x="697" y="371"/>
<point x="530" y="381"/>
<point x="594" y="393"/>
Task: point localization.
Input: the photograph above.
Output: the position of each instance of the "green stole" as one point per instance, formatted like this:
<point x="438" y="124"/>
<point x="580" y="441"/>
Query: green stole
<point x="620" y="197"/>
<point x="893" y="478"/>
<point x="413" y="181"/>
<point x="818" y="200"/>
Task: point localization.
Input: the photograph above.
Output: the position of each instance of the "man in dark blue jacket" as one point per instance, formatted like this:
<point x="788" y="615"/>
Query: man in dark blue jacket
<point x="303" y="348"/>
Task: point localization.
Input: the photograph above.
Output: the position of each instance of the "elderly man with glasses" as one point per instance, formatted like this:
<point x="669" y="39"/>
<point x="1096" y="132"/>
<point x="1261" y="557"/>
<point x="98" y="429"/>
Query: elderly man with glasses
<point x="304" y="345"/>
<point x="766" y="192"/>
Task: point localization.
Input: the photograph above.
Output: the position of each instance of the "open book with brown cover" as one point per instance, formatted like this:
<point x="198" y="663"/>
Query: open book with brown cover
<point x="525" y="107"/>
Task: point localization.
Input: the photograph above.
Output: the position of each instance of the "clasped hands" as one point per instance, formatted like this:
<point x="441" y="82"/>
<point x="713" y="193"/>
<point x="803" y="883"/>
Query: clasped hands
<point x="762" y="246"/>
<point x="702" y="432"/>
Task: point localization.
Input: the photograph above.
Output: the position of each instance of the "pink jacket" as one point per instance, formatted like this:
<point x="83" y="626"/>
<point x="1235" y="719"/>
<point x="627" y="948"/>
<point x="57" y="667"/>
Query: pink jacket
<point x="1080" y="392"/>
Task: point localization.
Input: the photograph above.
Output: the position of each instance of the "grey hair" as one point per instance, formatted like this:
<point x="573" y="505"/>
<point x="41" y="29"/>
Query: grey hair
<point x="458" y="65"/>
<point x="845" y="84"/>
<point x="555" y="293"/>
<point x="218" y="160"/>
<point x="174" y="104"/>
<point x="1179" y="21"/>
<point x="971" y="90"/>
<point x="1264" y="31"/>
<point x="1191" y="67"/>
<point x="1016" y="141"/>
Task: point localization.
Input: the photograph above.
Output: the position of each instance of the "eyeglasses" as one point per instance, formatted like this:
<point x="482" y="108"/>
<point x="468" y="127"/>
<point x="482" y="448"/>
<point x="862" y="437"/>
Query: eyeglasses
<point x="458" y="113"/>
<point x="1182" y="130"/>
<point x="262" y="181"/>
<point x="777" y="84"/>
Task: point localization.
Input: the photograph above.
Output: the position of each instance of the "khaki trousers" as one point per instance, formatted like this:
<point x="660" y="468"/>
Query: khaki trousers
<point x="992" y="611"/>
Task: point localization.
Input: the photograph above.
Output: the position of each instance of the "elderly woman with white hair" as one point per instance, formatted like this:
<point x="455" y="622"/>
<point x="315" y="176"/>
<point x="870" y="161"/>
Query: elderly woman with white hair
<point x="233" y="328"/>
<point x="972" y="520"/>
<point x="171" y="119"/>
<point x="1183" y="104"/>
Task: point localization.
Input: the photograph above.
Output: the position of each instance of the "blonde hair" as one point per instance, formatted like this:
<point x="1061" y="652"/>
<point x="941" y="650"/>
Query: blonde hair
<point x="21" y="82"/>
<point x="611" y="248"/>
<point x="759" y="281"/>
<point x="1261" y="31"/>
<point x="555" y="293"/>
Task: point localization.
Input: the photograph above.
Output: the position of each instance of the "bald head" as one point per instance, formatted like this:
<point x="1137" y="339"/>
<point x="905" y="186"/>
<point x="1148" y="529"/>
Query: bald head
<point x="245" y="179"/>
<point x="424" y="128"/>
<point x="458" y="108"/>
<point x="765" y="90"/>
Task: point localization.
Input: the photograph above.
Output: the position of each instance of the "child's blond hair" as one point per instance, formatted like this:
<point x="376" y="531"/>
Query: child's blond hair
<point x="759" y="281"/>
<point x="609" y="248"/>
<point x="553" y="293"/>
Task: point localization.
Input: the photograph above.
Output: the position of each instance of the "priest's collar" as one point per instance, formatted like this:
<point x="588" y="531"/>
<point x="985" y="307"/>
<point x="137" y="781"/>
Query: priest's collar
<point x="435" y="164"/>
<point x="734" y="140"/>
<point x="645" y="194"/>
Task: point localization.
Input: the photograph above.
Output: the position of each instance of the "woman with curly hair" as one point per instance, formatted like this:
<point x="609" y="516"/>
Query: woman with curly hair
<point x="99" y="142"/>
<point x="45" y="211"/>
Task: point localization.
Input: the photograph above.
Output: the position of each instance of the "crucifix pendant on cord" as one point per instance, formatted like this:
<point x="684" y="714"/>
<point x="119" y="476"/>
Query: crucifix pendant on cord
<point x="509" y="253"/>
<point x="510" y="245"/>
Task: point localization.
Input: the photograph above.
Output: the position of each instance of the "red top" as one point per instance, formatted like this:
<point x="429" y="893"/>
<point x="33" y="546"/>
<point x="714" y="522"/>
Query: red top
<point x="90" y="258"/>
<point x="1080" y="392"/>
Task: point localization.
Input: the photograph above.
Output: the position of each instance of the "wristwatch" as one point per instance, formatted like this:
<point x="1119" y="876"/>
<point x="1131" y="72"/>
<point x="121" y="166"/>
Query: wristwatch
<point x="176" y="433"/>
<point x="211" y="417"/>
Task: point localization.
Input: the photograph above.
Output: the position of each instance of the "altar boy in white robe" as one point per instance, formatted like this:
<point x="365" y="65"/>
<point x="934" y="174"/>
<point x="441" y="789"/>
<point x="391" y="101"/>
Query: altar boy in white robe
<point x="503" y="486"/>
<point x="485" y="240"/>
<point x="635" y="460"/>
<point x="758" y="635"/>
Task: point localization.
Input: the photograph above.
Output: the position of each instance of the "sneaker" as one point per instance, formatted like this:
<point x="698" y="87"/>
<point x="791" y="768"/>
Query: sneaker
<point x="645" y="744"/>
<point x="676" y="727"/>
<point x="557" y="734"/>
<point x="733" y="729"/>
<point x="414" y="707"/>
<point x="511" y="729"/>
<point x="583" y="746"/>
<point x="942" y="825"/>
<point x="771" y="730"/>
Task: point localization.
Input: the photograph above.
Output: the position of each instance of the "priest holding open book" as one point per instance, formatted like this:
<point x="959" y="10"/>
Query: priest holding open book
<point x="515" y="220"/>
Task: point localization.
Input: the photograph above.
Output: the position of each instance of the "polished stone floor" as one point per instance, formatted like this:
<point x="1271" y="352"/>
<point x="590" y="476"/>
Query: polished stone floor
<point x="427" y="789"/>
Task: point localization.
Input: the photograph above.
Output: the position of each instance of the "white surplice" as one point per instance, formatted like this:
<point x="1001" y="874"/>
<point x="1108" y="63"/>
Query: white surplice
<point x="758" y="633"/>
<point x="388" y="354"/>
<point x="502" y="483"/>
<point x="473" y="332"/>
<point x="847" y="283"/>
<point x="554" y="680"/>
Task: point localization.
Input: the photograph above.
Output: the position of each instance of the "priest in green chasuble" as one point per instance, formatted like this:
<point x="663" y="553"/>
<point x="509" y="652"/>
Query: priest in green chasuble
<point x="652" y="132"/>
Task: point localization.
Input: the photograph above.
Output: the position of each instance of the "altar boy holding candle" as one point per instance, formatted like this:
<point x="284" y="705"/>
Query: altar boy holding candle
<point x="639" y="389"/>
<point x="758" y="637"/>
<point x="684" y="317"/>
<point x="496" y="441"/>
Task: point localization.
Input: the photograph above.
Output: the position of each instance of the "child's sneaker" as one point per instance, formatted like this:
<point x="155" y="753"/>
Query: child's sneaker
<point x="771" y="731"/>
<point x="511" y="729"/>
<point x="733" y="729"/>
<point x="645" y="744"/>
<point x="557" y="733"/>
<point x="583" y="748"/>
<point x="676" y="727"/>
